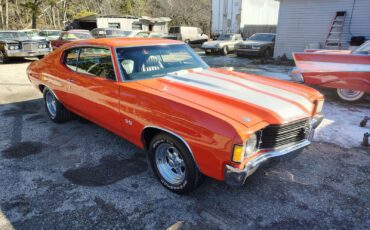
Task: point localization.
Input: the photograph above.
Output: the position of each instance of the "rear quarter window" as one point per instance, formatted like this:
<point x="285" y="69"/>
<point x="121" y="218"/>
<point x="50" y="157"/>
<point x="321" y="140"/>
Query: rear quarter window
<point x="70" y="59"/>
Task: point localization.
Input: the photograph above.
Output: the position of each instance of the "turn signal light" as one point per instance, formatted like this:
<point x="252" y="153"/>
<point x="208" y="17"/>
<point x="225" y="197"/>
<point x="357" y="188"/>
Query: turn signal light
<point x="238" y="153"/>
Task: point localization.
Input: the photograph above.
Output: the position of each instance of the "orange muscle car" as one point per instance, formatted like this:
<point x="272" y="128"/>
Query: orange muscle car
<point x="193" y="120"/>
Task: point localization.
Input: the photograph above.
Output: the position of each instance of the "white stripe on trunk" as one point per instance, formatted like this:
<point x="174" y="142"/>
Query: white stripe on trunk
<point x="285" y="110"/>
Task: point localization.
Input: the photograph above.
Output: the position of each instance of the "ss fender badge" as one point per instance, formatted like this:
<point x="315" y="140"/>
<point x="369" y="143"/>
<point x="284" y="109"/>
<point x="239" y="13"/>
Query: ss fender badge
<point x="128" y="121"/>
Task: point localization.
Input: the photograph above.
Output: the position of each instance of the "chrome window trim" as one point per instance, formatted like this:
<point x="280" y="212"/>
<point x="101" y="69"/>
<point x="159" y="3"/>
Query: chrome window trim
<point x="79" y="47"/>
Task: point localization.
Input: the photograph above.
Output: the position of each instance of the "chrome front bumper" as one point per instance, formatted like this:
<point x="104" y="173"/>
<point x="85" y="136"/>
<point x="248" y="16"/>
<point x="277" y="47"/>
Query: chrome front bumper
<point x="21" y="53"/>
<point x="237" y="177"/>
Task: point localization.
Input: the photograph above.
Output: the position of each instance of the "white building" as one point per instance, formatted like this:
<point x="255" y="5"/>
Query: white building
<point x="303" y="22"/>
<point x="244" y="16"/>
<point x="123" y="22"/>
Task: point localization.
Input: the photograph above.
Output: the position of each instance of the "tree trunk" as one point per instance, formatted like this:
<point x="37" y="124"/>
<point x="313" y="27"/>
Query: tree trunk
<point x="34" y="20"/>
<point x="6" y="14"/>
<point x="1" y="14"/>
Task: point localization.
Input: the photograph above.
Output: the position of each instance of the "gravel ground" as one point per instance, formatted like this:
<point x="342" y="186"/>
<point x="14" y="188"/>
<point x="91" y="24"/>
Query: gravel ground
<point x="79" y="176"/>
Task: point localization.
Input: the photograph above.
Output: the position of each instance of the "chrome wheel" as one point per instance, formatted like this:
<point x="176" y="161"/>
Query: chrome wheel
<point x="51" y="101"/>
<point x="350" y="95"/>
<point x="170" y="163"/>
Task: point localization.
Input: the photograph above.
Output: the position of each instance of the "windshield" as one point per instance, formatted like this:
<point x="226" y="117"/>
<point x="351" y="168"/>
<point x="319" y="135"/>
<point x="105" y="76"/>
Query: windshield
<point x="32" y="34"/>
<point x="262" y="37"/>
<point x="54" y="33"/>
<point x="224" y="37"/>
<point x="13" y="35"/>
<point x="77" y="36"/>
<point x="156" y="61"/>
<point x="363" y="48"/>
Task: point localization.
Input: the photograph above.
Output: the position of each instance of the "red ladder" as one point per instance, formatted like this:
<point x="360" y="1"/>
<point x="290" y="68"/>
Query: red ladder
<point x="334" y="38"/>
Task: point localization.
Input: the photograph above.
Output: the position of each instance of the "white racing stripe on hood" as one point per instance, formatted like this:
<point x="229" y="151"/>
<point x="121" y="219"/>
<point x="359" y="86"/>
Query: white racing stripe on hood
<point x="268" y="89"/>
<point x="283" y="109"/>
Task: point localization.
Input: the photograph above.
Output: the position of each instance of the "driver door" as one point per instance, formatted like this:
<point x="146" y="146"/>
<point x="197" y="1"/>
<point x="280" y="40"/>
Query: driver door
<point x="94" y="89"/>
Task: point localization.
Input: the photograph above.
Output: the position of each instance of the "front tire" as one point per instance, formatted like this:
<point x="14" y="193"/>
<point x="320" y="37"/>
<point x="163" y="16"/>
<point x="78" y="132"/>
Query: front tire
<point x="225" y="50"/>
<point x="3" y="57"/>
<point x="55" y="110"/>
<point x="173" y="164"/>
<point x="350" y="95"/>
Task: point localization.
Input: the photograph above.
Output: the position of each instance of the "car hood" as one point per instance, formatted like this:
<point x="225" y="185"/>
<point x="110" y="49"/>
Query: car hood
<point x="251" y="42"/>
<point x="248" y="99"/>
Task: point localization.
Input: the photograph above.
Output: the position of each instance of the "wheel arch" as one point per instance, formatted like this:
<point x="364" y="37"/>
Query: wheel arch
<point x="150" y="131"/>
<point x="42" y="88"/>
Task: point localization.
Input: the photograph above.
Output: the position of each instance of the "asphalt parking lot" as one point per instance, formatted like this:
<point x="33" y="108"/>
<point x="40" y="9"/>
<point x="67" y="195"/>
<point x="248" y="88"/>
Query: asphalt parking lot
<point x="77" y="175"/>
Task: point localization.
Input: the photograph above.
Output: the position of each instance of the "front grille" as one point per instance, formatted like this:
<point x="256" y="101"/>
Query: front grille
<point x="275" y="136"/>
<point x="29" y="46"/>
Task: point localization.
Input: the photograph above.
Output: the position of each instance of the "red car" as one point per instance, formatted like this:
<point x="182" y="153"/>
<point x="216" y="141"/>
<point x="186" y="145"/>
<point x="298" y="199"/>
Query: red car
<point x="193" y="120"/>
<point x="70" y="35"/>
<point x="346" y="71"/>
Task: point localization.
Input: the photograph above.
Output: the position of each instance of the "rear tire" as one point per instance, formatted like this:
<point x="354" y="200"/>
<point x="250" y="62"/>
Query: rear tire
<point x="350" y="95"/>
<point x="173" y="164"/>
<point x="268" y="53"/>
<point x="55" y="110"/>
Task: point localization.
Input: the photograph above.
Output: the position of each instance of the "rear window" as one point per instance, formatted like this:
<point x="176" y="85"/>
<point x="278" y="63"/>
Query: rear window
<point x="174" y="30"/>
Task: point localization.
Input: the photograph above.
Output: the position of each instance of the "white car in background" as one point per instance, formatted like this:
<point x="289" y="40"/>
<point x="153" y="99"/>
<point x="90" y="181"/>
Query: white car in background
<point x="188" y="34"/>
<point x="224" y="44"/>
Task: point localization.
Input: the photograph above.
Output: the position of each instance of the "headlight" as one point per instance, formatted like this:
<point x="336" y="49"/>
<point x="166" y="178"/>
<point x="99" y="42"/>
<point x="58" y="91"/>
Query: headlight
<point x="319" y="106"/>
<point x="40" y="46"/>
<point x="11" y="47"/>
<point x="241" y="152"/>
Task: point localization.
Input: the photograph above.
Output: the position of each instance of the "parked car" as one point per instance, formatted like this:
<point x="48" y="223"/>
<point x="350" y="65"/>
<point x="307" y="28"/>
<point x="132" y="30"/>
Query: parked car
<point x="18" y="44"/>
<point x="188" y="34"/>
<point x="50" y="34"/>
<point x="259" y="44"/>
<point x="109" y="33"/>
<point x="224" y="44"/>
<point x="346" y="71"/>
<point x="193" y="120"/>
<point x="70" y="35"/>
<point x="33" y="34"/>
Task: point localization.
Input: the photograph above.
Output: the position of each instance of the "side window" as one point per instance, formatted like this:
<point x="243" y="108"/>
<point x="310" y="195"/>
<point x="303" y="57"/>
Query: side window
<point x="70" y="59"/>
<point x="96" y="62"/>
